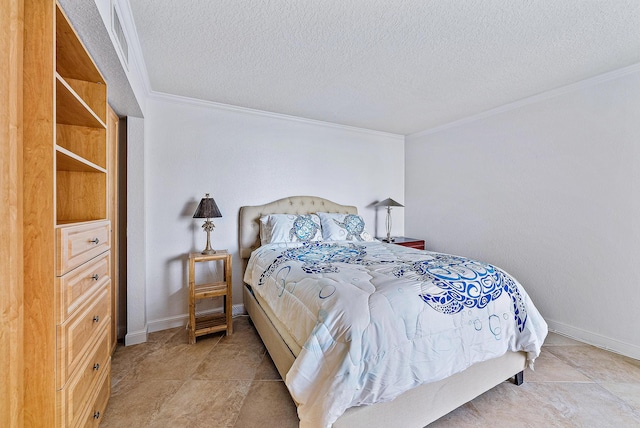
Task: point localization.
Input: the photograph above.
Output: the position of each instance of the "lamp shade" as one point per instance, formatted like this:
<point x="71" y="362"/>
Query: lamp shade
<point x="207" y="208"/>
<point x="388" y="203"/>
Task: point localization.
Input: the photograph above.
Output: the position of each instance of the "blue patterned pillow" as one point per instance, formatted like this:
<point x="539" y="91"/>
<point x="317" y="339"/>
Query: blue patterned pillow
<point x="343" y="227"/>
<point x="289" y="228"/>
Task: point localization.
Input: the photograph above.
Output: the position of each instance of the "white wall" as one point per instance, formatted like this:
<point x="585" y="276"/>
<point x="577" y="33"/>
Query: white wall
<point x="136" y="234"/>
<point x="246" y="159"/>
<point x="550" y="192"/>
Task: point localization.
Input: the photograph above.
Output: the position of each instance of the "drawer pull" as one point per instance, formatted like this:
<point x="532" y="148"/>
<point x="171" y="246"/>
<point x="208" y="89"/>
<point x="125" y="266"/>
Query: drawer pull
<point x="96" y="366"/>
<point x="95" y="241"/>
<point x="96" y="318"/>
<point x="95" y="277"/>
<point x="96" y="415"/>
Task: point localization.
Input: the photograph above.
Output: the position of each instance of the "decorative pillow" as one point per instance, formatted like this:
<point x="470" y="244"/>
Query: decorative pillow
<point x="343" y="227"/>
<point x="289" y="228"/>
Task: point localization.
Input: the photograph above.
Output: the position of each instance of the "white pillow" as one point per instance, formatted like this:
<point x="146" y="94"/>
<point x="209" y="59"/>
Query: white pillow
<point x="289" y="228"/>
<point x="343" y="227"/>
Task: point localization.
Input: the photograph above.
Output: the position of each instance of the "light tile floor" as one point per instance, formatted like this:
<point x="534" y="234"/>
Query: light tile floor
<point x="231" y="382"/>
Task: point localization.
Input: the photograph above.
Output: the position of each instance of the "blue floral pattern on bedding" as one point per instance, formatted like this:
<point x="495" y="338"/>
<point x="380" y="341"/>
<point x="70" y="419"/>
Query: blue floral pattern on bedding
<point x="318" y="257"/>
<point x="464" y="283"/>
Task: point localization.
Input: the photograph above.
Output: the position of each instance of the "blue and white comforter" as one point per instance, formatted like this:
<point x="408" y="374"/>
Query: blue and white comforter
<point x="374" y="320"/>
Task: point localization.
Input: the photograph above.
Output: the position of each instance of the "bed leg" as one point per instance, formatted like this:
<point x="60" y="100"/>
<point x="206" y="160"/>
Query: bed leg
<point x="518" y="379"/>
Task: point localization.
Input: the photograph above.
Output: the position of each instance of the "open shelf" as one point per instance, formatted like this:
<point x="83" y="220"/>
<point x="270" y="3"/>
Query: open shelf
<point x="75" y="67"/>
<point x="80" y="196"/>
<point x="210" y="324"/>
<point x="72" y="59"/>
<point x="214" y="289"/>
<point x="69" y="161"/>
<point x="75" y="222"/>
<point x="94" y="95"/>
<point x="71" y="109"/>
<point x="85" y="142"/>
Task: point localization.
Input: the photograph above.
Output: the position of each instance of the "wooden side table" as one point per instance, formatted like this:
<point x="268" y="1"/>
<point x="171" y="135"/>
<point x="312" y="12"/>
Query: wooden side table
<point x="407" y="242"/>
<point x="201" y="325"/>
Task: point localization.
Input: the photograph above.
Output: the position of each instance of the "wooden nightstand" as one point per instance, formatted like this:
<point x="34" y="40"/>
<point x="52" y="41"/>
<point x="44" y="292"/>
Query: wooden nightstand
<point x="407" y="242"/>
<point x="201" y="325"/>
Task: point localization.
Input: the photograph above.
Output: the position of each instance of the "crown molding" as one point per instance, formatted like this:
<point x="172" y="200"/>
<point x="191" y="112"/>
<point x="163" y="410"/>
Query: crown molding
<point x="179" y="99"/>
<point x="136" y="54"/>
<point x="583" y="84"/>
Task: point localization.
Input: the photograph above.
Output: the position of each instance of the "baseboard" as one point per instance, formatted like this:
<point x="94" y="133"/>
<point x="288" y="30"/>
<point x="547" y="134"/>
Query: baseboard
<point x="597" y="340"/>
<point x="168" y="322"/>
<point x="238" y="310"/>
<point x="136" y="337"/>
<point x="183" y="320"/>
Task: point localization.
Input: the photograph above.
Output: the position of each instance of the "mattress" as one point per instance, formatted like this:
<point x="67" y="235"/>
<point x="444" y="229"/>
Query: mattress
<point x="373" y="320"/>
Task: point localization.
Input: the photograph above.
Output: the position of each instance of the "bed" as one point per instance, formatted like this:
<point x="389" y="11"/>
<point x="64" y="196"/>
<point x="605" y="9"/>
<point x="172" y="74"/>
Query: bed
<point x="414" y="407"/>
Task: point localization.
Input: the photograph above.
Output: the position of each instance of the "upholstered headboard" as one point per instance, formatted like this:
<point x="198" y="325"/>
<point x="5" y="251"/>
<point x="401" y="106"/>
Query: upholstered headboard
<point x="249" y="233"/>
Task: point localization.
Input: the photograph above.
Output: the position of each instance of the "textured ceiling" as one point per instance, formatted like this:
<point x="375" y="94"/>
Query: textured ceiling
<point x="399" y="66"/>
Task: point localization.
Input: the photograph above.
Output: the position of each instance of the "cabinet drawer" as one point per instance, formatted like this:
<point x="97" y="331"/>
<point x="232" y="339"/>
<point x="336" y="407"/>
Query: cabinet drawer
<point x="76" y="394"/>
<point x="95" y="412"/>
<point x="77" y="286"/>
<point x="416" y="244"/>
<point x="78" y="244"/>
<point x="79" y="333"/>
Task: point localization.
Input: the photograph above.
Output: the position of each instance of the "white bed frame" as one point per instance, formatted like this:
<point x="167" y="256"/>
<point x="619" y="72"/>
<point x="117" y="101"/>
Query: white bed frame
<point x="416" y="407"/>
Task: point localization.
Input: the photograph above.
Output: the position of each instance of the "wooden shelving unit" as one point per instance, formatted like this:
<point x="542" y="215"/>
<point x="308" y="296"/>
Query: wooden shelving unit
<point x="67" y="257"/>
<point x="81" y="130"/>
<point x="210" y="323"/>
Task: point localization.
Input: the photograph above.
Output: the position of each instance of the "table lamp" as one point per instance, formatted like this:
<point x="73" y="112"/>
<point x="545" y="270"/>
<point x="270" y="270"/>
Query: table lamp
<point x="388" y="203"/>
<point x="207" y="209"/>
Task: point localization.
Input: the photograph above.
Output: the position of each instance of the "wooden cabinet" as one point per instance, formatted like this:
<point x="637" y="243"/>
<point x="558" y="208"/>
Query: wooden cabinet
<point x="211" y="323"/>
<point x="77" y="334"/>
<point x="78" y="399"/>
<point x="67" y="232"/>
<point x="11" y="265"/>
<point x="408" y="242"/>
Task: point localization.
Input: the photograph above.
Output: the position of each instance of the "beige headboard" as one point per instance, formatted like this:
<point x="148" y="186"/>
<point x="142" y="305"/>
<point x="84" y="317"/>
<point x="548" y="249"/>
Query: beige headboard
<point x="249" y="233"/>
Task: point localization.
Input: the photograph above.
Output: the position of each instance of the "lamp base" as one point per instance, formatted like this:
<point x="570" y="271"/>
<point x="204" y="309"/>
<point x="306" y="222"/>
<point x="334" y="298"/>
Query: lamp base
<point x="389" y="238"/>
<point x="208" y="227"/>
